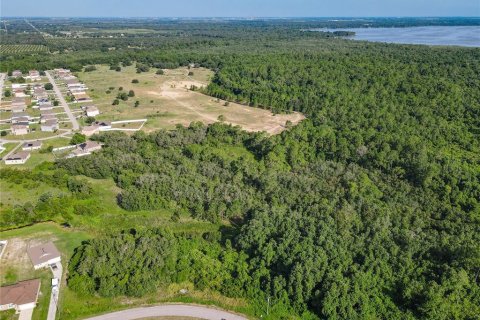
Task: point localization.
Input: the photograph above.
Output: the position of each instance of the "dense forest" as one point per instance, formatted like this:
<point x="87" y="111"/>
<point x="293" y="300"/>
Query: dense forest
<point x="368" y="209"/>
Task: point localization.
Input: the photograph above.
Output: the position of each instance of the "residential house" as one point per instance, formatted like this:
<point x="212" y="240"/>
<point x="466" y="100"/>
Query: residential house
<point x="34" y="75"/>
<point x="30" y="146"/>
<point x="104" y="125"/>
<point x="18" y="104"/>
<point x="19" y="129"/>
<point x="44" y="255"/>
<point x="49" y="125"/>
<point x="73" y="81"/>
<point x="47" y="115"/>
<point x="90" y="130"/>
<point x="79" y="89"/>
<point x="19" y="157"/>
<point x="85" y="149"/>
<point x="20" y="296"/>
<point x="92" y="111"/>
<point x="62" y="73"/>
<point x="45" y="106"/>
<point x="19" y="93"/>
<point x="19" y="117"/>
<point x="81" y="97"/>
<point x="20" y="86"/>
<point x="40" y="93"/>
<point x="17" y="73"/>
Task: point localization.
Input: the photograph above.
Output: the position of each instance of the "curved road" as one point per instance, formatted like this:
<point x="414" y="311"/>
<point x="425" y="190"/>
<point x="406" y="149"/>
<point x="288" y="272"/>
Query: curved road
<point x="177" y="310"/>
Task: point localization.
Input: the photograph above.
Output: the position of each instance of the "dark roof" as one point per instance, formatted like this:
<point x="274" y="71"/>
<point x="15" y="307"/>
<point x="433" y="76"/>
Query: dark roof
<point x="21" y="293"/>
<point x="20" y="155"/>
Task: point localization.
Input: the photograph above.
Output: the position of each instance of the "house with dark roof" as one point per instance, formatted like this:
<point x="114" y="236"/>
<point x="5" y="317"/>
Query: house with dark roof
<point x="20" y="296"/>
<point x="33" y="145"/>
<point x="18" y="158"/>
<point x="84" y="149"/>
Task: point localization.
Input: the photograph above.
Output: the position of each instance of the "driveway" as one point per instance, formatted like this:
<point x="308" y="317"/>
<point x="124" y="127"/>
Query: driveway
<point x="25" y="314"/>
<point x="52" y="307"/>
<point x="176" y="310"/>
<point x="64" y="104"/>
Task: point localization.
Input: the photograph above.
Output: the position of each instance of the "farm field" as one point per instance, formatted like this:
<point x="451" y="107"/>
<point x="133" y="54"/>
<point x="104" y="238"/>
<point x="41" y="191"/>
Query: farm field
<point x="165" y="100"/>
<point x="21" y="48"/>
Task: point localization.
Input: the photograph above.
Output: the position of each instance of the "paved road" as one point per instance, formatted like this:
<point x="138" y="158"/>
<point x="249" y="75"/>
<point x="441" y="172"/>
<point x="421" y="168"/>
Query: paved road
<point x="52" y="307"/>
<point x="2" y="79"/>
<point x="66" y="133"/>
<point x="12" y="151"/>
<point x="177" y="310"/>
<point x="64" y="104"/>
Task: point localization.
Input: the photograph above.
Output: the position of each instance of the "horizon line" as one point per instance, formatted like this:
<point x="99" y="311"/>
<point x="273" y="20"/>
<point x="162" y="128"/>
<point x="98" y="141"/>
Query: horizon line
<point x="243" y="17"/>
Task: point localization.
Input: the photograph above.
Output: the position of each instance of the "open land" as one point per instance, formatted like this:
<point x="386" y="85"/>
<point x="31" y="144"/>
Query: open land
<point x="166" y="100"/>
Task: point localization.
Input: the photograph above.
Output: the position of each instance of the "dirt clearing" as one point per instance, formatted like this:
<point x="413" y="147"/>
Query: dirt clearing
<point x="166" y="100"/>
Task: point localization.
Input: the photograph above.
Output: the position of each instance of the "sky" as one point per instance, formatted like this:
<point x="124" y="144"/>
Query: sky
<point x="238" y="8"/>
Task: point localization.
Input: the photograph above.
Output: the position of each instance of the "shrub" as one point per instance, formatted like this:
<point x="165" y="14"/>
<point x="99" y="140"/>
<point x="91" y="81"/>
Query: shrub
<point x="78" y="138"/>
<point x="90" y="68"/>
<point x="135" y="81"/>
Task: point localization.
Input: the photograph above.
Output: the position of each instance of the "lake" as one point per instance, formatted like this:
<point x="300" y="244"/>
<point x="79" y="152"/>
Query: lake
<point x="467" y="36"/>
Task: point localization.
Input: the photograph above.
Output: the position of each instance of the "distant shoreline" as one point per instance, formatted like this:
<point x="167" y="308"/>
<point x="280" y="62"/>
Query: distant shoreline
<point x="464" y="36"/>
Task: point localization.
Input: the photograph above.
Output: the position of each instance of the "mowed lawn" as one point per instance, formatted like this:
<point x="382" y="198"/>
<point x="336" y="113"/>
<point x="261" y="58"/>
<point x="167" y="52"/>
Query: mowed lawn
<point x="16" y="266"/>
<point x="166" y="100"/>
<point x="36" y="156"/>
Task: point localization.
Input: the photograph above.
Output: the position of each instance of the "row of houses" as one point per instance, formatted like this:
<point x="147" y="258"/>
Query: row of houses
<point x="33" y="75"/>
<point x="75" y="88"/>
<point x="24" y="295"/>
<point x="21" y="157"/>
<point x="80" y="150"/>
<point x="21" y="123"/>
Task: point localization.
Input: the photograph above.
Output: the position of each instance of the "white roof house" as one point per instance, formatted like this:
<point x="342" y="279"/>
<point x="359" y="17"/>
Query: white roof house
<point x="19" y="129"/>
<point x="92" y="111"/>
<point x="17" y="73"/>
<point x="34" y="75"/>
<point x="90" y="130"/>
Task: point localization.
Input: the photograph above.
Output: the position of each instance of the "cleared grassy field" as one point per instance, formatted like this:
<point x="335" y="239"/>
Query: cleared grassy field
<point x="166" y="100"/>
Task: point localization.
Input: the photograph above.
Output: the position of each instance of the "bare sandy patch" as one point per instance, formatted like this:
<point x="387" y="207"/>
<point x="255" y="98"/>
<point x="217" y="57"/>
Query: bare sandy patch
<point x="15" y="258"/>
